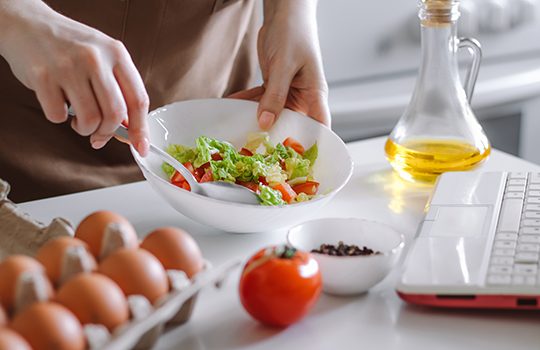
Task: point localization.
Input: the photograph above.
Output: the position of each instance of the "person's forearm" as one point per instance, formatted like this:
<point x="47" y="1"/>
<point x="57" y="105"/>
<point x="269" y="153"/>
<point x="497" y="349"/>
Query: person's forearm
<point x="14" y="14"/>
<point x="286" y="8"/>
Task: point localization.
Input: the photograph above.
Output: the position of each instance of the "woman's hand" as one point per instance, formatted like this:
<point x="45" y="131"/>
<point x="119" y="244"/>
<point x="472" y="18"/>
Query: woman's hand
<point x="65" y="61"/>
<point x="291" y="64"/>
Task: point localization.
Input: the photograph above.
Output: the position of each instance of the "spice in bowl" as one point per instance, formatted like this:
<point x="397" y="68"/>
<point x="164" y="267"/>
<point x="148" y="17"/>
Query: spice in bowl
<point x="344" y="250"/>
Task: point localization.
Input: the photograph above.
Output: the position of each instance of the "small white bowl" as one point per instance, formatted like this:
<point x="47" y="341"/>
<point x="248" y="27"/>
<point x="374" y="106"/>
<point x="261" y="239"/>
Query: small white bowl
<point x="347" y="275"/>
<point x="232" y="120"/>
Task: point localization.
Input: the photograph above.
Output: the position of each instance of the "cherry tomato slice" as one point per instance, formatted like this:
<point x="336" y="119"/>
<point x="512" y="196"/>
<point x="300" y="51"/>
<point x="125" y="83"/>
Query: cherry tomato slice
<point x="309" y="187"/>
<point x="251" y="185"/>
<point x="292" y="143"/>
<point x="287" y="193"/>
<point x="245" y="152"/>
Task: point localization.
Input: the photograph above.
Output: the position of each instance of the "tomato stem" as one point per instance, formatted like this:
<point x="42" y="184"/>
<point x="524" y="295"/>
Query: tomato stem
<point x="287" y="253"/>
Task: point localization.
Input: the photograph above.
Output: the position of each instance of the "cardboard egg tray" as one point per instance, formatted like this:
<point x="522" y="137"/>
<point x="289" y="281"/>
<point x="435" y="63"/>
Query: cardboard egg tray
<point x="20" y="234"/>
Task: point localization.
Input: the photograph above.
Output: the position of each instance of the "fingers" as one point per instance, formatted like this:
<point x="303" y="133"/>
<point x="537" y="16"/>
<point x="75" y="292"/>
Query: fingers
<point x="253" y="94"/>
<point x="88" y="115"/>
<point x="275" y="95"/>
<point x="137" y="103"/>
<point x="52" y="100"/>
<point x="112" y="105"/>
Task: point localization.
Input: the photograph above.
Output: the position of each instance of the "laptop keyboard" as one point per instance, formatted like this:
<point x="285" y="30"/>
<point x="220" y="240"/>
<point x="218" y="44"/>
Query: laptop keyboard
<point x="516" y="248"/>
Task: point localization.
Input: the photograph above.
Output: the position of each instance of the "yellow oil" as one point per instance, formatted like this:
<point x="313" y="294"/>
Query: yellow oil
<point x="424" y="160"/>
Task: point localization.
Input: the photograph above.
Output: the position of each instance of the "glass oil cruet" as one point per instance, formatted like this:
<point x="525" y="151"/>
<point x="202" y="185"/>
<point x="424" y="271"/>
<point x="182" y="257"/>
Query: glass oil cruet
<point x="438" y="131"/>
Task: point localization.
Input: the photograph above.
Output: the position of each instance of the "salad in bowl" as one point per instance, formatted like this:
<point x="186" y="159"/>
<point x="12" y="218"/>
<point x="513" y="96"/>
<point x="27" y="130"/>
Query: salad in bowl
<point x="279" y="174"/>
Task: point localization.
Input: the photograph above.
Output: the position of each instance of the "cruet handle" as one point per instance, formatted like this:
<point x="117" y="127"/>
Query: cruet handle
<point x="473" y="47"/>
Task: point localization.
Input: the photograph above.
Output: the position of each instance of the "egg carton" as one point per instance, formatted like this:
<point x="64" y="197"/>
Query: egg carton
<point x="20" y="234"/>
<point x="147" y="321"/>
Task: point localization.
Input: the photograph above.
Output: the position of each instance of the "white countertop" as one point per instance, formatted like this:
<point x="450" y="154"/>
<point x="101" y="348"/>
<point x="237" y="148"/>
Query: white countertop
<point x="376" y="320"/>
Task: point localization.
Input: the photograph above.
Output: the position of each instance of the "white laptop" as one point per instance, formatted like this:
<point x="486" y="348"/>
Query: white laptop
<point x="479" y="243"/>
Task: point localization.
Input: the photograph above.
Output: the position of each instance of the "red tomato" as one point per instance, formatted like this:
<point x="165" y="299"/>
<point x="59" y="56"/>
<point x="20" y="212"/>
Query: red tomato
<point x="309" y="187"/>
<point x="279" y="285"/>
<point x="262" y="180"/>
<point x="250" y="184"/>
<point x="292" y="143"/>
<point x="177" y="177"/>
<point x="207" y="177"/>
<point x="182" y="184"/>
<point x="287" y="193"/>
<point x="217" y="156"/>
<point x="245" y="152"/>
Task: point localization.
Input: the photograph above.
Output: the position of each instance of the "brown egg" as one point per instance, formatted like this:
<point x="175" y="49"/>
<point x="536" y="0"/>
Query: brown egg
<point x="10" y="270"/>
<point x="11" y="340"/>
<point x="3" y="317"/>
<point x="175" y="249"/>
<point x="92" y="229"/>
<point x="51" y="255"/>
<point x="136" y="272"/>
<point x="48" y="325"/>
<point x="94" y="298"/>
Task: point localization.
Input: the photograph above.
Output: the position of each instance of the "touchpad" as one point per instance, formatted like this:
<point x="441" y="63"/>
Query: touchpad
<point x="458" y="221"/>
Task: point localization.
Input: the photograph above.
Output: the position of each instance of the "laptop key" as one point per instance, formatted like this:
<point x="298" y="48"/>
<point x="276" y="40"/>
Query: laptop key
<point x="517" y="182"/>
<point x="530" y="231"/>
<point x="532" y="214"/>
<point x="525" y="269"/>
<point x="526" y="257"/>
<point x="499" y="279"/>
<point x="505" y="244"/>
<point x="500" y="270"/>
<point x="515" y="189"/>
<point x="503" y="252"/>
<point x="518" y="175"/>
<point x="518" y="195"/>
<point x="527" y="247"/>
<point x="534" y="193"/>
<point x="534" y="178"/>
<point x="502" y="260"/>
<point x="531" y="223"/>
<point x="532" y="207"/>
<point x="530" y="280"/>
<point x="535" y="187"/>
<point x="507" y="236"/>
<point x="529" y="239"/>
<point x="533" y="200"/>
<point x="518" y="280"/>
<point x="510" y="215"/>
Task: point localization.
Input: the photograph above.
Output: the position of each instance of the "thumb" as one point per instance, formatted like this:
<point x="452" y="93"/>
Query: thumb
<point x="274" y="98"/>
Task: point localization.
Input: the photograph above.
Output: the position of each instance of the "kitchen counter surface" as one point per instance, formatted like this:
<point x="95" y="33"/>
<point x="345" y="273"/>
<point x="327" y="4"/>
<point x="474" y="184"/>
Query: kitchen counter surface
<point x="375" y="320"/>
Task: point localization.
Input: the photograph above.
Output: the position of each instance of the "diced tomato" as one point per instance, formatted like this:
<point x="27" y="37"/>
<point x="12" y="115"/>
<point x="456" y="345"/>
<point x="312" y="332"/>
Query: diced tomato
<point x="207" y="177"/>
<point x="287" y="193"/>
<point x="177" y="177"/>
<point x="262" y="180"/>
<point x="282" y="165"/>
<point x="249" y="184"/>
<point x="217" y="156"/>
<point x="246" y="152"/>
<point x="292" y="143"/>
<point x="309" y="187"/>
<point x="182" y="184"/>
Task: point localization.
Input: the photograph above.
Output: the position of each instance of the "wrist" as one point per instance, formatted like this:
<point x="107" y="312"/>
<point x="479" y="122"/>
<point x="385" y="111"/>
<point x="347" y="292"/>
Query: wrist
<point x="17" y="16"/>
<point x="285" y="9"/>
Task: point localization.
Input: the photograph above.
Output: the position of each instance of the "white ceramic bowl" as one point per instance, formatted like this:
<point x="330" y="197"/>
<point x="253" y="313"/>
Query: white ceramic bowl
<point x="347" y="275"/>
<point x="232" y="120"/>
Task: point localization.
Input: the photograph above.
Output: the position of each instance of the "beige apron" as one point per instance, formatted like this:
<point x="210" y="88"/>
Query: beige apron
<point x="183" y="49"/>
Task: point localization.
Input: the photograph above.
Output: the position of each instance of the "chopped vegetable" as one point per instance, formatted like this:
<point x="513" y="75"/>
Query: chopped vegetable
<point x="268" y="170"/>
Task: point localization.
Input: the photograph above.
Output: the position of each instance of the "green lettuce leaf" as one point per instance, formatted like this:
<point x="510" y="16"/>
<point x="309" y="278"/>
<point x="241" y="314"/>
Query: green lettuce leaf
<point x="297" y="167"/>
<point x="311" y="154"/>
<point x="181" y="153"/>
<point x="269" y="196"/>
